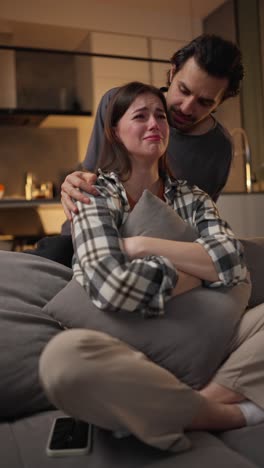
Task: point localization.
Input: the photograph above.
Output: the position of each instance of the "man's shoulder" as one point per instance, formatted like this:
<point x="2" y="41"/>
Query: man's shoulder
<point x="219" y="142"/>
<point x="217" y="134"/>
<point x="223" y="132"/>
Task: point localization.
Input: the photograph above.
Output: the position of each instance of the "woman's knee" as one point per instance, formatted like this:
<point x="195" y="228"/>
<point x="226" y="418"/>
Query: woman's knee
<point x="61" y="366"/>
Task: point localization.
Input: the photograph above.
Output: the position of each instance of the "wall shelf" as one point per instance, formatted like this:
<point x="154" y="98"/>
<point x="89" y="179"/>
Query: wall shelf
<point x="34" y="117"/>
<point x="22" y="203"/>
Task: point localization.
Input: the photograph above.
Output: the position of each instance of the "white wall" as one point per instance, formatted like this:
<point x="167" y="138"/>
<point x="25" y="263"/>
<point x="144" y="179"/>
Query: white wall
<point x="244" y="213"/>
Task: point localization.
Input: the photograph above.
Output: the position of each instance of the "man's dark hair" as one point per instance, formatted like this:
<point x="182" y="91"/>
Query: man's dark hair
<point x="114" y="156"/>
<point x="218" y="57"/>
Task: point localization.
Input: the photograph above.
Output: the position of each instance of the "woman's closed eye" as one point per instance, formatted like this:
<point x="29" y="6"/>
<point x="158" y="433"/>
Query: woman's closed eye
<point x="139" y="116"/>
<point x="161" y="116"/>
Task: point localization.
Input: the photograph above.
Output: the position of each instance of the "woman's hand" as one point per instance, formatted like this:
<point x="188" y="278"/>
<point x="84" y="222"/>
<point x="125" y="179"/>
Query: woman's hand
<point x="134" y="246"/>
<point x="70" y="189"/>
<point x="137" y="246"/>
<point x="185" y="283"/>
<point x="189" y="257"/>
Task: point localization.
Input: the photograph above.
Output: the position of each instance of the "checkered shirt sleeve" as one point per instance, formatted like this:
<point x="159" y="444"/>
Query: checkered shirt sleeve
<point x="113" y="281"/>
<point x="215" y="235"/>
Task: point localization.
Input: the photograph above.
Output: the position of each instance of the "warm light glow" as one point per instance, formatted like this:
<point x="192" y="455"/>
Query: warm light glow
<point x="248" y="178"/>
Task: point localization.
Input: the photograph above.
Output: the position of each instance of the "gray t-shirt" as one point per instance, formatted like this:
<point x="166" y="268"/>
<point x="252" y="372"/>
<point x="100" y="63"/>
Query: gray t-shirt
<point x="202" y="160"/>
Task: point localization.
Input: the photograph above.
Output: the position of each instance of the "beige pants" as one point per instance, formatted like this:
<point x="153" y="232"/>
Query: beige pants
<point x="95" y="377"/>
<point x="243" y="371"/>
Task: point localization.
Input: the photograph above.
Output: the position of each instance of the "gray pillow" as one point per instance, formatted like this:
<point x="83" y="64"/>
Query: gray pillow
<point x="27" y="283"/>
<point x="192" y="337"/>
<point x="152" y="217"/>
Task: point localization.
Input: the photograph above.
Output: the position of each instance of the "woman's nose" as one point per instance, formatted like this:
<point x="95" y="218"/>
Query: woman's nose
<point x="153" y="123"/>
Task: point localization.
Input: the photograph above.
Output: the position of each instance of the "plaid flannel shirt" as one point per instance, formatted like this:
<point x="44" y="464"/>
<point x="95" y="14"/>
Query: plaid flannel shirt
<point x="115" y="282"/>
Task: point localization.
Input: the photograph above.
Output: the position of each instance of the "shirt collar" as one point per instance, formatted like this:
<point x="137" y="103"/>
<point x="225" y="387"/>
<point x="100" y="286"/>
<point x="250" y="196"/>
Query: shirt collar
<point x="170" y="185"/>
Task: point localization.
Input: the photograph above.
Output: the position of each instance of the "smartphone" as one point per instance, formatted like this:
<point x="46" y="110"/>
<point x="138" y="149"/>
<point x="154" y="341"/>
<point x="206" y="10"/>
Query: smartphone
<point x="69" y="436"/>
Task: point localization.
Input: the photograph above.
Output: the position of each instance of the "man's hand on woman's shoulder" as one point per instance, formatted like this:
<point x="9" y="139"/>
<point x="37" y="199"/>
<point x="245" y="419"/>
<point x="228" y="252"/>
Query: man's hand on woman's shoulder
<point x="70" y="190"/>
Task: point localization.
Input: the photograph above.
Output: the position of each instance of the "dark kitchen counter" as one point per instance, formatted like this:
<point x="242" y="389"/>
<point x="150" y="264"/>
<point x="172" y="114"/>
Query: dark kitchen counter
<point x="23" y="203"/>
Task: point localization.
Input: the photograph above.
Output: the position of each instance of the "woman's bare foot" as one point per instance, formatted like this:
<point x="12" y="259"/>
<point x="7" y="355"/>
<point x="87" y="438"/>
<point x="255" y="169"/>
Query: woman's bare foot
<point x="218" y="417"/>
<point x="221" y="394"/>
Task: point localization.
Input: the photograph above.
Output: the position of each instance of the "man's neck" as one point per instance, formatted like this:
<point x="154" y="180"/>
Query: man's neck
<point x="202" y="127"/>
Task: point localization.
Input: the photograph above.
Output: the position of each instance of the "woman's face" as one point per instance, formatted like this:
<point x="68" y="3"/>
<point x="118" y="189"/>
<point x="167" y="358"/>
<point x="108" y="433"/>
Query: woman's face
<point x="144" y="129"/>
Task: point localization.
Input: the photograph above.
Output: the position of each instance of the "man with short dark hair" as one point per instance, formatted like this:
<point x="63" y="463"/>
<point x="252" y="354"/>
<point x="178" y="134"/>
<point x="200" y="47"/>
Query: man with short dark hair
<point x="203" y="74"/>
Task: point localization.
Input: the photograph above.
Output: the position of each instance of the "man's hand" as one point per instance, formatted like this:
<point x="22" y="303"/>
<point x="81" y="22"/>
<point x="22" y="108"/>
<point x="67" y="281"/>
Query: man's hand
<point x="71" y="189"/>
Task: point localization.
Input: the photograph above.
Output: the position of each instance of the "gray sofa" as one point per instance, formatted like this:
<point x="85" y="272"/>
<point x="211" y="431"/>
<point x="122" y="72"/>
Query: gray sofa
<point x="33" y="309"/>
<point x="23" y="442"/>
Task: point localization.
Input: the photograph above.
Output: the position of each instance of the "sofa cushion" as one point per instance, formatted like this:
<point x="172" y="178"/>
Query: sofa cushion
<point x="248" y="441"/>
<point x="23" y="444"/>
<point x="192" y="337"/>
<point x="27" y="283"/>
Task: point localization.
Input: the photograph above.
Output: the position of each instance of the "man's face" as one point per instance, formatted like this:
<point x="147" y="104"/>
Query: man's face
<point x="193" y="95"/>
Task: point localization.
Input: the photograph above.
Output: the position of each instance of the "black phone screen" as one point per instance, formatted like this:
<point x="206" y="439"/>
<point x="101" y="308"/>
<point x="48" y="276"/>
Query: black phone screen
<point x="69" y="433"/>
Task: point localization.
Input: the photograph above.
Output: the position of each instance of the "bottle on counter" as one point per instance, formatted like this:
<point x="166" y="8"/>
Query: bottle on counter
<point x="29" y="185"/>
<point x="2" y="190"/>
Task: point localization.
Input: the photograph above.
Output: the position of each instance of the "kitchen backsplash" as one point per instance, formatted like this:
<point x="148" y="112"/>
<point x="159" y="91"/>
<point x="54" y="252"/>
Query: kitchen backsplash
<point x="48" y="153"/>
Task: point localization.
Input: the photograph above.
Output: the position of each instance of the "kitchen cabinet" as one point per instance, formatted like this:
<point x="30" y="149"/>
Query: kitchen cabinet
<point x="36" y="83"/>
<point x="8" y="79"/>
<point x="109" y="72"/>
